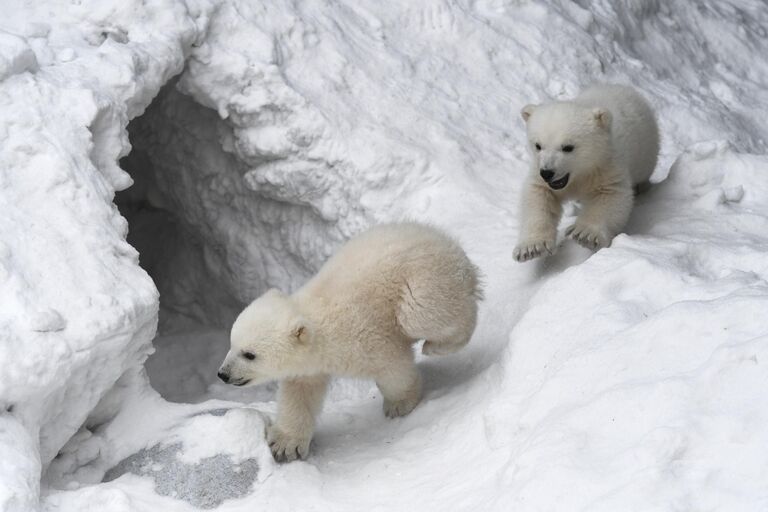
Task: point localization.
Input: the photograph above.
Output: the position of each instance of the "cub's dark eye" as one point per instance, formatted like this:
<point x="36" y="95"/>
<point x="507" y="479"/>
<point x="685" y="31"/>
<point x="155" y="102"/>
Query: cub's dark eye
<point x="567" y="148"/>
<point x="537" y="146"/>
<point x="249" y="356"/>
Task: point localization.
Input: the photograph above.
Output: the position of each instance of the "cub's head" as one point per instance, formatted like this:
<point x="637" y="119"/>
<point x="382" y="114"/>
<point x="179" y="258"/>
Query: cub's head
<point x="269" y="341"/>
<point x="567" y="140"/>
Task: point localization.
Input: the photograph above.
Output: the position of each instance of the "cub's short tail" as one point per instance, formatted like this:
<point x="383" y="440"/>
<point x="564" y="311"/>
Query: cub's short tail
<point x="442" y="310"/>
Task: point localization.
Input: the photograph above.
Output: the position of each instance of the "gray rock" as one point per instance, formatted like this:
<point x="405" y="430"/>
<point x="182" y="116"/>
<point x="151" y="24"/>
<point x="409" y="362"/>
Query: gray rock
<point x="205" y="484"/>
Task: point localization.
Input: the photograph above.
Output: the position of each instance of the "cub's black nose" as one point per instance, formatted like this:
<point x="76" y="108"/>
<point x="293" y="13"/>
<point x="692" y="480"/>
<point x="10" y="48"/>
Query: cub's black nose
<point x="223" y="376"/>
<point x="547" y="174"/>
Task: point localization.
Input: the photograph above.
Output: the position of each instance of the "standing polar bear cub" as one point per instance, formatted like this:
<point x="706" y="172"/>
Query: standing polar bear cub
<point x="595" y="148"/>
<point x="358" y="317"/>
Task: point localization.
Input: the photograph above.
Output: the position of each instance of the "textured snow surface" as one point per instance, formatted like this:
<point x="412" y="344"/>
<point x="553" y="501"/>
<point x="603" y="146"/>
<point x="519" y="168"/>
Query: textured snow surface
<point x="629" y="379"/>
<point x="77" y="311"/>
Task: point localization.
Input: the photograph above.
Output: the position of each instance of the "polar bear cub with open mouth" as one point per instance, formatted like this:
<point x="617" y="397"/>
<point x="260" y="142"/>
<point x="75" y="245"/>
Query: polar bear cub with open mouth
<point x="358" y="317"/>
<point x="597" y="148"/>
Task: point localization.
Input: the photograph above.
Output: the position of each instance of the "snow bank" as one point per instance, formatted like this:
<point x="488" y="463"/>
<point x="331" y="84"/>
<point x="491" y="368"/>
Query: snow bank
<point x="77" y="309"/>
<point x="308" y="123"/>
<point x="626" y="380"/>
<point x="645" y="392"/>
<point x="285" y="179"/>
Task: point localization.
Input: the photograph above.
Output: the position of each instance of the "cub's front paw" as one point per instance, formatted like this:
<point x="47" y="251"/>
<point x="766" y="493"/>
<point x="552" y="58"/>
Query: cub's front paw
<point x="286" y="448"/>
<point x="591" y="237"/>
<point x="397" y="408"/>
<point x="533" y="248"/>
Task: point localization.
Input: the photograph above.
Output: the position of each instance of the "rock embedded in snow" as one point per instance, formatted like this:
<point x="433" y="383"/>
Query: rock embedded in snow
<point x="204" y="484"/>
<point x="201" y="469"/>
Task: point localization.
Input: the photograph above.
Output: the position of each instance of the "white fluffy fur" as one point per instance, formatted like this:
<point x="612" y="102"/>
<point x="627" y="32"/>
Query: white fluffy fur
<point x="615" y="142"/>
<point x="358" y="317"/>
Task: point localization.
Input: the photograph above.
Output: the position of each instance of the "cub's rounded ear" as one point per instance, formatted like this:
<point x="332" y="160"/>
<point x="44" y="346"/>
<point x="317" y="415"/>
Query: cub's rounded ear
<point x="527" y="111"/>
<point x="602" y="117"/>
<point x="301" y="332"/>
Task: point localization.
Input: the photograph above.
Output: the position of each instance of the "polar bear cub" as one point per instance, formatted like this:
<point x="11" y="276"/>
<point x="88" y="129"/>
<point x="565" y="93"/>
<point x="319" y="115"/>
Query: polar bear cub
<point x="595" y="148"/>
<point x="358" y="317"/>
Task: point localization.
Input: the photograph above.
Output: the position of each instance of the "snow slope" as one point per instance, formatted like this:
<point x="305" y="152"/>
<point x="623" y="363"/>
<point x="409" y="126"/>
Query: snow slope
<point x="629" y="379"/>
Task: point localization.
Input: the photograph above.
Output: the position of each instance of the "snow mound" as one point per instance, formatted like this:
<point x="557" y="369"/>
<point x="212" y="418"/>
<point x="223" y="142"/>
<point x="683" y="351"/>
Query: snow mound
<point x="645" y="391"/>
<point x="627" y="379"/>
<point x="78" y="311"/>
<point x="16" y="57"/>
<point x="205" y="484"/>
<point x="189" y="471"/>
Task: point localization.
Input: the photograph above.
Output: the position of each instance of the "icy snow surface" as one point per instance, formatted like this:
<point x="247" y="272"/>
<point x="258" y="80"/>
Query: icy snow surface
<point x="631" y="379"/>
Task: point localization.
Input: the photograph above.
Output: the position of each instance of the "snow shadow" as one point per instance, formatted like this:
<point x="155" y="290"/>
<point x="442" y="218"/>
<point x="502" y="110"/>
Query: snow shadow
<point x="195" y="308"/>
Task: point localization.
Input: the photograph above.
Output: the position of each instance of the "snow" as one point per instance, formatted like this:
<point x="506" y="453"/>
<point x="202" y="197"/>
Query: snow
<point x="262" y="135"/>
<point x="77" y="309"/>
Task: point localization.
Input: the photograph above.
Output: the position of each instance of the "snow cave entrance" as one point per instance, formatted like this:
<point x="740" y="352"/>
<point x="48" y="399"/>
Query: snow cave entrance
<point x="171" y="224"/>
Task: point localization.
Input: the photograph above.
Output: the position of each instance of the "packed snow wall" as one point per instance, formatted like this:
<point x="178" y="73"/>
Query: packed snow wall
<point x="267" y="172"/>
<point x="291" y="126"/>
<point x="216" y="228"/>
<point x="232" y="207"/>
<point x="77" y="310"/>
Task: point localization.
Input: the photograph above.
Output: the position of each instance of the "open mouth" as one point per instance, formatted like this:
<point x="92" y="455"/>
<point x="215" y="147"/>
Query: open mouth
<point x="241" y="382"/>
<point x="560" y="183"/>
